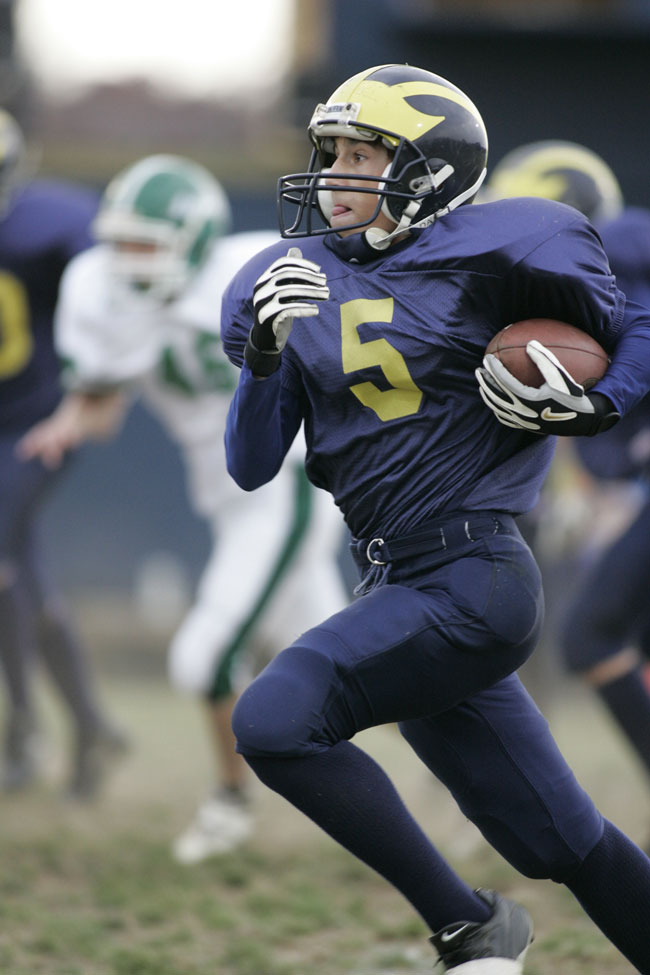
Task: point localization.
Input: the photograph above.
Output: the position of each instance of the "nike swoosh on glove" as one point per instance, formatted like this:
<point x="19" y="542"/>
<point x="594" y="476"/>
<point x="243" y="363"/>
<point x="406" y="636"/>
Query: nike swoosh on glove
<point x="560" y="406"/>
<point x="290" y="288"/>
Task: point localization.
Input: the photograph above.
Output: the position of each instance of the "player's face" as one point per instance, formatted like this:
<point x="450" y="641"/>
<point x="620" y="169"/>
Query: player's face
<point x="135" y="247"/>
<point x="368" y="159"/>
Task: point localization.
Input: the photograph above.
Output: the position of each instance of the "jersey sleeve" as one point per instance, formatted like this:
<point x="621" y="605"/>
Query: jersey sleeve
<point x="237" y="315"/>
<point x="569" y="278"/>
<point x="99" y="350"/>
<point x="265" y="415"/>
<point x="263" y="420"/>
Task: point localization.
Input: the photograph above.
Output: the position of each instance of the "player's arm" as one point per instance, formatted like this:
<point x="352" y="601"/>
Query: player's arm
<point x="80" y="417"/>
<point x="263" y="420"/>
<point x="265" y="413"/>
<point x="559" y="406"/>
<point x="568" y="276"/>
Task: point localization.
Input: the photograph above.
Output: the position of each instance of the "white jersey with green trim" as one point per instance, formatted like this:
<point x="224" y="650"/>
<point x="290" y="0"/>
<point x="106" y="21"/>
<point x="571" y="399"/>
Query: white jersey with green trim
<point x="273" y="569"/>
<point x="110" y="337"/>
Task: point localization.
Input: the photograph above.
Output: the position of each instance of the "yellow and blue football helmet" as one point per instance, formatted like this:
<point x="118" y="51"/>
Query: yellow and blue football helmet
<point x="13" y="155"/>
<point x="557" y="170"/>
<point x="433" y="130"/>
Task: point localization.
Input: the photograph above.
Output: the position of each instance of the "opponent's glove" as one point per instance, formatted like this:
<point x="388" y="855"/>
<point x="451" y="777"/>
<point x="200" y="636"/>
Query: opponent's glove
<point x="560" y="405"/>
<point x="286" y="290"/>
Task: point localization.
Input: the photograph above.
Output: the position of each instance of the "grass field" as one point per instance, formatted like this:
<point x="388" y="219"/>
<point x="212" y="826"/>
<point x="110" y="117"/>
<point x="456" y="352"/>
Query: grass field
<point x="93" y="890"/>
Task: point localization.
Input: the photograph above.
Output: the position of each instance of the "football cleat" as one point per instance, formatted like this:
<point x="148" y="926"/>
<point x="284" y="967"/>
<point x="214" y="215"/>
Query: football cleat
<point x="21" y="747"/>
<point x="221" y="824"/>
<point x="94" y="755"/>
<point x="496" y="947"/>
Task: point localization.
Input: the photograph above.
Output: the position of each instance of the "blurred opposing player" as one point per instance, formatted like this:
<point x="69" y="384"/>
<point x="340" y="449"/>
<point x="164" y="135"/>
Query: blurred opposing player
<point x="139" y="313"/>
<point x="43" y="224"/>
<point x="605" y="636"/>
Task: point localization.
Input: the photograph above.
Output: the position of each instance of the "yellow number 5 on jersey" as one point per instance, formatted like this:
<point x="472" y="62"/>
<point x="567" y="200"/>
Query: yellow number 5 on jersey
<point x="404" y="398"/>
<point x="16" y="342"/>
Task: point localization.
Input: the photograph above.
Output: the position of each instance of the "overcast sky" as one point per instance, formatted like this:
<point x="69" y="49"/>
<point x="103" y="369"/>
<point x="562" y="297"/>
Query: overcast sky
<point x="196" y="47"/>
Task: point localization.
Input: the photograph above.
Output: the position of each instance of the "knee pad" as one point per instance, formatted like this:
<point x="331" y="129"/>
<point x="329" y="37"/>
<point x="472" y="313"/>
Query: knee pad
<point x="281" y="714"/>
<point x="524" y="799"/>
<point x="542" y="853"/>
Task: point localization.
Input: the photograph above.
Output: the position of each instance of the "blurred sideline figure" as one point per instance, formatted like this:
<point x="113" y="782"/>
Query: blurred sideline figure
<point x="139" y="313"/>
<point x="43" y="224"/>
<point x="605" y="636"/>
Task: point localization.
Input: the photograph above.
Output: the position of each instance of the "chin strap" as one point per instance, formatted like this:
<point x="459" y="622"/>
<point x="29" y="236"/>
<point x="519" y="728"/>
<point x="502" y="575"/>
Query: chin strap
<point x="381" y="239"/>
<point x="462" y="197"/>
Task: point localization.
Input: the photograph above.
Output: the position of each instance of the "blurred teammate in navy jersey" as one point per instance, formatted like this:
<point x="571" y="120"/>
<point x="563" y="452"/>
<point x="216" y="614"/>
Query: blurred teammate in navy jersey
<point x="42" y="225"/>
<point x="605" y="636"/>
<point x="431" y="449"/>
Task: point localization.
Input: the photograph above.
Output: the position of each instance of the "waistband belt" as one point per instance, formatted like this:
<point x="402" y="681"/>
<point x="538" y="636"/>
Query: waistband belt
<point x="433" y="537"/>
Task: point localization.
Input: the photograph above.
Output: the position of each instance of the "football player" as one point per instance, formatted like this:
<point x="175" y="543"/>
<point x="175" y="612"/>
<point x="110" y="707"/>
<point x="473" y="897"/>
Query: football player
<point x="604" y="637"/>
<point x="139" y="315"/>
<point x="409" y="284"/>
<point x="43" y="224"/>
<point x="557" y="170"/>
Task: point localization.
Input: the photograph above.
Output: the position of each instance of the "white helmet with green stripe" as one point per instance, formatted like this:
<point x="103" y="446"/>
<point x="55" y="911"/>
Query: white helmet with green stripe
<point x="159" y="217"/>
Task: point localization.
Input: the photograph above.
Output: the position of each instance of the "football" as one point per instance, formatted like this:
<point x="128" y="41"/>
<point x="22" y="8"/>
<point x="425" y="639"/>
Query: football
<point x="581" y="355"/>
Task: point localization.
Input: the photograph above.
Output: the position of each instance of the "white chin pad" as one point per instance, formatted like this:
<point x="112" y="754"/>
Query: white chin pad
<point x="325" y="204"/>
<point x="384" y="202"/>
<point x="324" y="197"/>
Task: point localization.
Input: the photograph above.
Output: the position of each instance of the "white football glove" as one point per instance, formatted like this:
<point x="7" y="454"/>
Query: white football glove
<point x="288" y="289"/>
<point x="560" y="405"/>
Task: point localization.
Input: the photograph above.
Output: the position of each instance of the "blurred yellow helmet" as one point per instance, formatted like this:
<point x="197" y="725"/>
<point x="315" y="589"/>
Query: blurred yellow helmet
<point x="562" y="171"/>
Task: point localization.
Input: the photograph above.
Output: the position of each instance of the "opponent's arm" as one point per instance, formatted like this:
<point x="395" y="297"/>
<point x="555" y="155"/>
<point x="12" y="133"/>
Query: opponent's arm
<point x="78" y="418"/>
<point x="560" y="406"/>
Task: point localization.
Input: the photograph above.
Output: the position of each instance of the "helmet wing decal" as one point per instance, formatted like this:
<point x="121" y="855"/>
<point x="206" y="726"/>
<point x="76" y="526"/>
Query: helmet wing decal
<point x="394" y="108"/>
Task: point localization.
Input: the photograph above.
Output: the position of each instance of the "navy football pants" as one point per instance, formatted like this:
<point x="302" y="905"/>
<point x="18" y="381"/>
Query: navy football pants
<point x="23" y="488"/>
<point x="435" y="649"/>
<point x="611" y="609"/>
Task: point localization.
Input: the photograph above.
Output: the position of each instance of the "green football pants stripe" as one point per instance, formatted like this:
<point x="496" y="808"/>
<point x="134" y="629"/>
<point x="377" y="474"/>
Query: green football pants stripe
<point x="302" y="510"/>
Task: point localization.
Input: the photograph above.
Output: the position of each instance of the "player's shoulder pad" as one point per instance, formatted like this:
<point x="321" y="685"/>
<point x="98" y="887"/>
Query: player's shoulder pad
<point x="86" y="267"/>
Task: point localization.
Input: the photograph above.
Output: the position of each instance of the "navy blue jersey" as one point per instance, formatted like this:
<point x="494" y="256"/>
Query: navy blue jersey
<point x="47" y="224"/>
<point x="622" y="452"/>
<point x="384" y="376"/>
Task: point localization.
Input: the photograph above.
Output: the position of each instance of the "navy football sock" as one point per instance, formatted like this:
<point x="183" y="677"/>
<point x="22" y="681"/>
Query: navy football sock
<point x="349" y="796"/>
<point x="69" y="670"/>
<point x="613" y="887"/>
<point x="629" y="702"/>
<point x="15" y="649"/>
